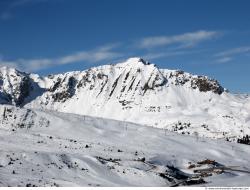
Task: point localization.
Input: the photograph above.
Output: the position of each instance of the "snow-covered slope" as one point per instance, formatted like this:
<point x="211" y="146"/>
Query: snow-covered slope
<point x="139" y="92"/>
<point x="46" y="148"/>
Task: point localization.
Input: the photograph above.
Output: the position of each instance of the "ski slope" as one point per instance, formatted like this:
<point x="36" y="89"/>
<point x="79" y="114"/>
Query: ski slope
<point x="48" y="148"/>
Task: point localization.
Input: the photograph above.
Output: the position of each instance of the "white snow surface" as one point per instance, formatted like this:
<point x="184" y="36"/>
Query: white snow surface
<point x="48" y="148"/>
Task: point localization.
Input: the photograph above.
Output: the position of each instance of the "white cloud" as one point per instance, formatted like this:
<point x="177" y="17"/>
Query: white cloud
<point x="223" y="59"/>
<point x="234" y="51"/>
<point x="228" y="55"/>
<point x="91" y="56"/>
<point x="99" y="54"/>
<point x="184" y="40"/>
<point x="172" y="53"/>
<point x="109" y="52"/>
<point x="102" y="53"/>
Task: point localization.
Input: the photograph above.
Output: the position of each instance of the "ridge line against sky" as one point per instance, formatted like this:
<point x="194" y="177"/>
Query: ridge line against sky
<point x="201" y="37"/>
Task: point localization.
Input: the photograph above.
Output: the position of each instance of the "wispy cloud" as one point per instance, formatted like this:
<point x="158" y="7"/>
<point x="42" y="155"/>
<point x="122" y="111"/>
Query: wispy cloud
<point x="228" y="55"/>
<point x="99" y="54"/>
<point x="113" y="51"/>
<point x="183" y="40"/>
<point x="172" y="53"/>
<point x="224" y="60"/>
<point x="234" y="51"/>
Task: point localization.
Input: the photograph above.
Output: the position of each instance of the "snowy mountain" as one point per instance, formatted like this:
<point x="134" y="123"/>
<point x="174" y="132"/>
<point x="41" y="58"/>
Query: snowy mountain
<point x="118" y="125"/>
<point x="135" y="91"/>
<point x="48" y="148"/>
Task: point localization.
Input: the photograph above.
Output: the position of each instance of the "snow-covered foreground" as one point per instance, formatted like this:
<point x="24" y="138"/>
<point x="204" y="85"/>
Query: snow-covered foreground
<point x="72" y="150"/>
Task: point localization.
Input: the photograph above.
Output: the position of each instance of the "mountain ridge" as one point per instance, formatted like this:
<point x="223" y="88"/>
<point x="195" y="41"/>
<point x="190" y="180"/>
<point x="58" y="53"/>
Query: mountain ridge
<point x="139" y="92"/>
<point x="129" y="66"/>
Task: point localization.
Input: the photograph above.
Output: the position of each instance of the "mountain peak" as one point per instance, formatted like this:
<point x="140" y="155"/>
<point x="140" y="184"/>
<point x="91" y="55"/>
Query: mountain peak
<point x="135" y="62"/>
<point x="136" y="72"/>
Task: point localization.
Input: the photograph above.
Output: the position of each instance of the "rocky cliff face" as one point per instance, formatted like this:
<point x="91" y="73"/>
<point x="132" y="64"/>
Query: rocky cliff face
<point x="15" y="86"/>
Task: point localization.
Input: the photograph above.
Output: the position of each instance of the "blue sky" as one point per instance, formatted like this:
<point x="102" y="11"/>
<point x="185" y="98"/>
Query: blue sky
<point x="202" y="37"/>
